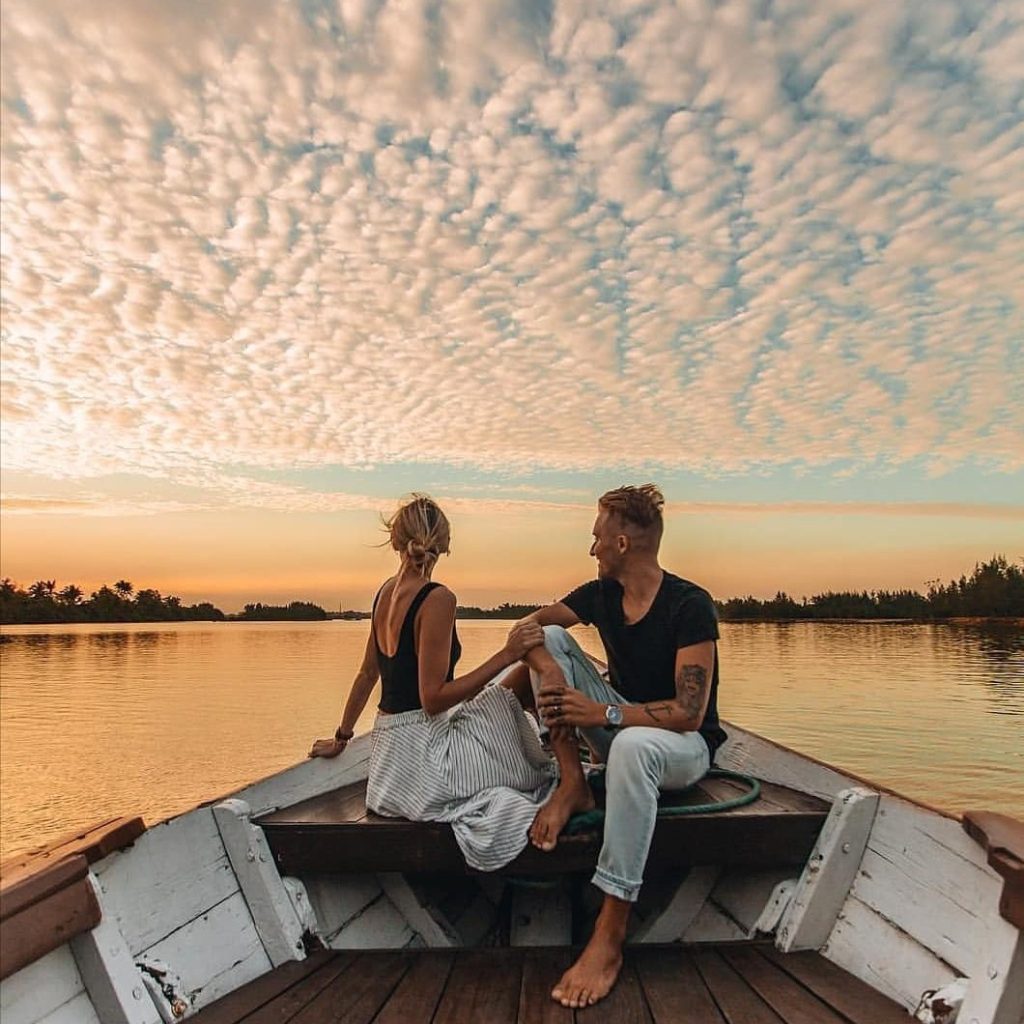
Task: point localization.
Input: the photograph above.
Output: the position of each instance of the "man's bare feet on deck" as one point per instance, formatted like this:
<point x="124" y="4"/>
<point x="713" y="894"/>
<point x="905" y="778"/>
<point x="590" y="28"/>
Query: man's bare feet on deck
<point x="568" y="799"/>
<point x="593" y="975"/>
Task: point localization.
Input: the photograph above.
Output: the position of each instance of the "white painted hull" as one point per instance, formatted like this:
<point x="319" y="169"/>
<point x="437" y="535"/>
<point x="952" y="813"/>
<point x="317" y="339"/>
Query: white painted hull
<point x="896" y="894"/>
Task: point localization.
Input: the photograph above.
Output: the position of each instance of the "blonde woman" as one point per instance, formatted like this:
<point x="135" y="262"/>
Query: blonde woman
<point x="443" y="748"/>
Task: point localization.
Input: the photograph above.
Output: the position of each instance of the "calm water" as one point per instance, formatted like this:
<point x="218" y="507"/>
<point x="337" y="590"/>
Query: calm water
<point x="97" y="721"/>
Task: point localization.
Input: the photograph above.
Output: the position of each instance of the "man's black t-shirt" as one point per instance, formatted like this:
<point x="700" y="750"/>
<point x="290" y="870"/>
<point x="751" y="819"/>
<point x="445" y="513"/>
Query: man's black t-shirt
<point x="642" y="655"/>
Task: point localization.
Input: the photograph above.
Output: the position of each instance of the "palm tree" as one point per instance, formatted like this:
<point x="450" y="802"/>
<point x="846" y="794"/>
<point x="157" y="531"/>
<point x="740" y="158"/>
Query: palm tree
<point x="124" y="589"/>
<point x="71" y="595"/>
<point x="42" y="589"/>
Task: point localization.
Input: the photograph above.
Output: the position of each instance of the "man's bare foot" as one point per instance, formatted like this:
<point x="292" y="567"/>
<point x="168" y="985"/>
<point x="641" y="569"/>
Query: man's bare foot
<point x="568" y="799"/>
<point x="593" y="975"/>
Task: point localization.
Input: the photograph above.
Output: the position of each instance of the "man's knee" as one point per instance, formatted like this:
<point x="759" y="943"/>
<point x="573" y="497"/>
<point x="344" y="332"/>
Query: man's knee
<point x="632" y="751"/>
<point x="557" y="639"/>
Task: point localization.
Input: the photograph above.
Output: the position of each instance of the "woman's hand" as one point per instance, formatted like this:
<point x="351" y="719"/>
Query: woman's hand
<point x="327" y="748"/>
<point x="524" y="636"/>
<point x="561" y="705"/>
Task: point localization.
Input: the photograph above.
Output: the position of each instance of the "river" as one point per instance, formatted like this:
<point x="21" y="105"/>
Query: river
<point x="151" y="719"/>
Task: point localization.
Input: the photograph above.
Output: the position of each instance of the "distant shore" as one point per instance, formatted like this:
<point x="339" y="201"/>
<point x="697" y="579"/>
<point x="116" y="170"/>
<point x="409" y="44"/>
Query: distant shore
<point x="1015" y="622"/>
<point x="992" y="594"/>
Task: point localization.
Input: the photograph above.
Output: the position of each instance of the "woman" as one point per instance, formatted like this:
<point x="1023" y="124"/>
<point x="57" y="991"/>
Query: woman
<point x="444" y="749"/>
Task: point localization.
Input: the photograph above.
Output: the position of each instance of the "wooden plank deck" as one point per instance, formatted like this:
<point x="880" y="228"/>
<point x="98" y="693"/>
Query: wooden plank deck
<point x="335" y="833"/>
<point x="659" y="985"/>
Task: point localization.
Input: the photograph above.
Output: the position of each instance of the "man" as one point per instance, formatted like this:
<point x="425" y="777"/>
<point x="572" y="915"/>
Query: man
<point x="654" y="721"/>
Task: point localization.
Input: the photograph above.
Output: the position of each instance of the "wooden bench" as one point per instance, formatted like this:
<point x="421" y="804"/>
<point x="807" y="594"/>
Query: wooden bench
<point x="335" y="834"/>
<point x="46" y="897"/>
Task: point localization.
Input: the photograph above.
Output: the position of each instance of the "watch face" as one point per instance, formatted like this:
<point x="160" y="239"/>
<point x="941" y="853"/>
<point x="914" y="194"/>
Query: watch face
<point x="614" y="714"/>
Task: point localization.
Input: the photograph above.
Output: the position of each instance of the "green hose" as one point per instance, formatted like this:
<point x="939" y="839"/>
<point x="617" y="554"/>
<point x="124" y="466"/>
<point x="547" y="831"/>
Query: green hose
<point x="594" y="819"/>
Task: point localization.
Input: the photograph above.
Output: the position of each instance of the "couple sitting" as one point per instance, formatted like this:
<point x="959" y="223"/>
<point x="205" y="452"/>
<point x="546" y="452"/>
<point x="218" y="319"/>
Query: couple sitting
<point x="462" y="750"/>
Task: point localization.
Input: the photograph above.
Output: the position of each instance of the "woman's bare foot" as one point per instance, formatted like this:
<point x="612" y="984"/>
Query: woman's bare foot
<point x="593" y="975"/>
<point x="571" y="797"/>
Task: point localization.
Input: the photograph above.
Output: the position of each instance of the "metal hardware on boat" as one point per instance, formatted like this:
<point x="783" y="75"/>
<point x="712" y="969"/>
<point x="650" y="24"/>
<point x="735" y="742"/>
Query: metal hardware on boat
<point x="164" y="985"/>
<point x="776" y="906"/>
<point x="942" y="1006"/>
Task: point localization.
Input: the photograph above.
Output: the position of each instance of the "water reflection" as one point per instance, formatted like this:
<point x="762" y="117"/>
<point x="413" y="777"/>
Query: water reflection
<point x="164" y="716"/>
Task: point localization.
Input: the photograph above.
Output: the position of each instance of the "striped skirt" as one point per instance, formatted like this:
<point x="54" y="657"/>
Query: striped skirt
<point x="479" y="766"/>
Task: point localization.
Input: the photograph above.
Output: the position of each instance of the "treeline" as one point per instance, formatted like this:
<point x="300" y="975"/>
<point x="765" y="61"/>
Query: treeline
<point x="995" y="589"/>
<point x="304" y="611"/>
<point x="502" y="611"/>
<point x="43" y="602"/>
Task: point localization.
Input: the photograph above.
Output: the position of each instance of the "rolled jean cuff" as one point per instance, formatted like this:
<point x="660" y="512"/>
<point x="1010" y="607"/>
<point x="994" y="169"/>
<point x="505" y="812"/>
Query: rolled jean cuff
<point x="617" y="887"/>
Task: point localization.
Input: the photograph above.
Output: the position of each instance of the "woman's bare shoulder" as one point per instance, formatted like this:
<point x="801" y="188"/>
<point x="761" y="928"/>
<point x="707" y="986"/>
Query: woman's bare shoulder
<point x="440" y="597"/>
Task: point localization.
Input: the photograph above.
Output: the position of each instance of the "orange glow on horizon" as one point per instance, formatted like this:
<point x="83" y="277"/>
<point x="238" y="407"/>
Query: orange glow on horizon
<point x="334" y="558"/>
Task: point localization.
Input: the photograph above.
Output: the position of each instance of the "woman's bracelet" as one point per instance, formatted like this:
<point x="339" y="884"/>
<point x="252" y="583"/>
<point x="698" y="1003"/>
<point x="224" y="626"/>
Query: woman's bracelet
<point x="343" y="734"/>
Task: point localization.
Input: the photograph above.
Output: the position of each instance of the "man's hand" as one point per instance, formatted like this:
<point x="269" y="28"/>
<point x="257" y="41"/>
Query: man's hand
<point x="524" y="636"/>
<point x="565" y="706"/>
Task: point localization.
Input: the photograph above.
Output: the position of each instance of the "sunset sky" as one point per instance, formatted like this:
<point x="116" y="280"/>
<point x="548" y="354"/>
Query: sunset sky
<point x="266" y="267"/>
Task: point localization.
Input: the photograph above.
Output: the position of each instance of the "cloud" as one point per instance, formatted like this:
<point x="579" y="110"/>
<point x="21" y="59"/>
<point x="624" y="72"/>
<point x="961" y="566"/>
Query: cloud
<point x="502" y="235"/>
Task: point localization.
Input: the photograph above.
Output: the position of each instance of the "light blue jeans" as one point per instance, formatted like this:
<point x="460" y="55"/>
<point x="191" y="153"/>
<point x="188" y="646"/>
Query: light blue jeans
<point x="640" y="762"/>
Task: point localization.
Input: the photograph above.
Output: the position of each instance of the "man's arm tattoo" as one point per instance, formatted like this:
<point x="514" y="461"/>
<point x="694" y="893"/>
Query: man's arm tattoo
<point x="658" y="712"/>
<point x="691" y="689"/>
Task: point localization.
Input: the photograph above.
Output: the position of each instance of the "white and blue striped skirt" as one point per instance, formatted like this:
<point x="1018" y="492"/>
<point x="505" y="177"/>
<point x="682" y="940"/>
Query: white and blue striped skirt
<point x="479" y="766"/>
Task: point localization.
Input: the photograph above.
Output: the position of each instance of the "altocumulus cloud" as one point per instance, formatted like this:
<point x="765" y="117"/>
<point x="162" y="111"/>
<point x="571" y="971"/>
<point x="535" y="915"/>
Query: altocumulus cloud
<point x="500" y="234"/>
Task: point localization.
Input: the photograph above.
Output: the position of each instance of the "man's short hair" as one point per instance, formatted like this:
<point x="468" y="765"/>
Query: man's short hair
<point x="639" y="507"/>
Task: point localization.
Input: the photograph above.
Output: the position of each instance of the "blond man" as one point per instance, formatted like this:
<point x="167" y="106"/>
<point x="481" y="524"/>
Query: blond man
<point x="654" y="720"/>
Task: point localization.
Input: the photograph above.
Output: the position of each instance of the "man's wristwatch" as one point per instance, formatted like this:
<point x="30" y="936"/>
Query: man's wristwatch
<point x="343" y="734"/>
<point x="613" y="716"/>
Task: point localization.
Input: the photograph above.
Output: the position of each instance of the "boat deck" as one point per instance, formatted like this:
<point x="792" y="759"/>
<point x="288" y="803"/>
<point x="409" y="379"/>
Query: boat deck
<point x="335" y="833"/>
<point x="727" y="984"/>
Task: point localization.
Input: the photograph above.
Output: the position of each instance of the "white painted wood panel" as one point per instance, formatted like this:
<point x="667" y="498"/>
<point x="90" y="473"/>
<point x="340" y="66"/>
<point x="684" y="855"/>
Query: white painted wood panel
<point x="78" y="1011"/>
<point x="677" y="914"/>
<point x="113" y="982"/>
<point x="308" y="778"/>
<point x="213" y="954"/>
<point x="40" y="988"/>
<point x="923" y="873"/>
<point x="829" y="872"/>
<point x="745" y="752"/>
<point x="743" y="895"/>
<point x="427" y="921"/>
<point x="995" y="993"/>
<point x="379" y="925"/>
<point x="271" y="907"/>
<point x="712" y="925"/>
<point x="869" y="947"/>
<point x="173" y="873"/>
<point x="336" y="899"/>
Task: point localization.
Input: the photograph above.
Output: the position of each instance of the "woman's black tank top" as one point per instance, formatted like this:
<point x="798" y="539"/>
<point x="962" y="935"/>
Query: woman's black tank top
<point x="400" y="672"/>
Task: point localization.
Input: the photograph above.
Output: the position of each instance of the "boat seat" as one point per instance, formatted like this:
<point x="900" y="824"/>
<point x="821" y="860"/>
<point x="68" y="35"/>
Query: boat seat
<point x="1002" y="837"/>
<point x="335" y="834"/>
<point x="46" y="897"/>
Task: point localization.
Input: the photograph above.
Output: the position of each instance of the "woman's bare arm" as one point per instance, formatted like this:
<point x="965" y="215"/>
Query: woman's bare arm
<point x="434" y="627"/>
<point x="362" y="686"/>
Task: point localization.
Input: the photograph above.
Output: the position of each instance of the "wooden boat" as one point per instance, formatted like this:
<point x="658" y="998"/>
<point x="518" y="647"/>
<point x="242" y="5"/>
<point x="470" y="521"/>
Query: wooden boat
<point x="828" y="900"/>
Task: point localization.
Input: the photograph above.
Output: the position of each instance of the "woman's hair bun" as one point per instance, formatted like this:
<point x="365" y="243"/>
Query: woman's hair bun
<point x="421" y="531"/>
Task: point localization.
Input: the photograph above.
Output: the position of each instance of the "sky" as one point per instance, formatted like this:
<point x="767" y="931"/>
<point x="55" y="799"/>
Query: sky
<point x="268" y="267"/>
